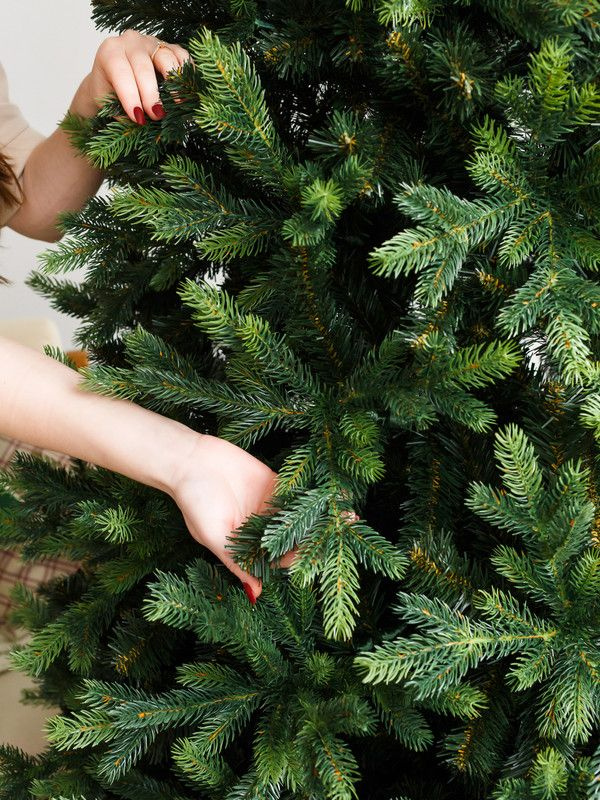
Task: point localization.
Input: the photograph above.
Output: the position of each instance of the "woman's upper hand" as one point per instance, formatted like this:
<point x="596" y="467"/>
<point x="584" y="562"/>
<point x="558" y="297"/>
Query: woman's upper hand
<point x="124" y="65"/>
<point x="217" y="486"/>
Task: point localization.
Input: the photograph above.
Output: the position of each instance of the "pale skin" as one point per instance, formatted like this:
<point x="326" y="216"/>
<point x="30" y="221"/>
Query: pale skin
<point x="216" y="484"/>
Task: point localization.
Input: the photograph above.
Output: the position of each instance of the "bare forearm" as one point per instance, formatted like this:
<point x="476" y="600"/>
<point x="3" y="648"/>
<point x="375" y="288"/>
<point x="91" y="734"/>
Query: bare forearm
<point x="56" y="178"/>
<point x="42" y="404"/>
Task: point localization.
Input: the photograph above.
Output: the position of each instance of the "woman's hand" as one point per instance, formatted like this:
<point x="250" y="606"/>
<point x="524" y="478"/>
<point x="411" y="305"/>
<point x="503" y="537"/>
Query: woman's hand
<point x="56" y="178"/>
<point x="217" y="486"/>
<point x="124" y="65"/>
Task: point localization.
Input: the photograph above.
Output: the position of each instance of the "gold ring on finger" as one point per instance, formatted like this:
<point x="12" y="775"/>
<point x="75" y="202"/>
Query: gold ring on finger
<point x="157" y="48"/>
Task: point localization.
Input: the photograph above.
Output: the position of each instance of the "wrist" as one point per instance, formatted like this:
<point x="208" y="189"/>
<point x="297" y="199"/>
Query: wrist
<point x="163" y="451"/>
<point x="84" y="101"/>
<point x="189" y="451"/>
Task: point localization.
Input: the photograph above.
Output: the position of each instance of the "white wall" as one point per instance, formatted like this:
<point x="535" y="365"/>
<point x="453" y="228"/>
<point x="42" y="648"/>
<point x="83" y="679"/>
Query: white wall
<point x="46" y="49"/>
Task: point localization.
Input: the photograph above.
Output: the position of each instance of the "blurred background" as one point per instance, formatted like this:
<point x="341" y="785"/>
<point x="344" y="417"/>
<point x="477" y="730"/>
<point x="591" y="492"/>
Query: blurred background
<point x="46" y="48"/>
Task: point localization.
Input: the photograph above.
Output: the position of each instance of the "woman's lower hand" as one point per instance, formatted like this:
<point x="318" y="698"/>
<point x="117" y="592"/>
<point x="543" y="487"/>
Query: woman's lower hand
<point x="127" y="66"/>
<point x="217" y="486"/>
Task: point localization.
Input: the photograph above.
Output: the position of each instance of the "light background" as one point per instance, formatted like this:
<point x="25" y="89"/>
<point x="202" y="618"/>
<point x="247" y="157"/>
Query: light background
<point x="46" y="49"/>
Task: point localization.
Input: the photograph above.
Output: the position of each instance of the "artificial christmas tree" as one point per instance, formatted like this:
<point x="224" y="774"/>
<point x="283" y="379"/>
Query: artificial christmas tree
<point x="362" y="244"/>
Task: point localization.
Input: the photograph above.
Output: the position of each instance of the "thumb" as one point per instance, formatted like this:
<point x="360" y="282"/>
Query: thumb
<point x="286" y="559"/>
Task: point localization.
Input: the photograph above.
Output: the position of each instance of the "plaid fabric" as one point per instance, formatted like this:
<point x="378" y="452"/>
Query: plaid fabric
<point x="12" y="569"/>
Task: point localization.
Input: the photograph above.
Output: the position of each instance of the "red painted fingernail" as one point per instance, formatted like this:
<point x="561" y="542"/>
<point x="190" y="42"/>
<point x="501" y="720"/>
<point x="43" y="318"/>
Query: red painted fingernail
<point x="139" y="116"/>
<point x="158" y="110"/>
<point x="249" y="593"/>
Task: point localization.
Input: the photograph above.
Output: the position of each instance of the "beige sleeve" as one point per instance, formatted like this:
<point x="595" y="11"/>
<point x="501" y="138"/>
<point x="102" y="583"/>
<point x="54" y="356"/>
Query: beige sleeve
<point x="17" y="139"/>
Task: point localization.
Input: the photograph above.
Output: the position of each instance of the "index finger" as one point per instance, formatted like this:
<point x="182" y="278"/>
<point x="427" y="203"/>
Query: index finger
<point x="122" y="79"/>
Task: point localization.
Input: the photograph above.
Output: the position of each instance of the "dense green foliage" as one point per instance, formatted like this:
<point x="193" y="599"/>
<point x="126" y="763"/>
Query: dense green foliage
<point x="364" y="246"/>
